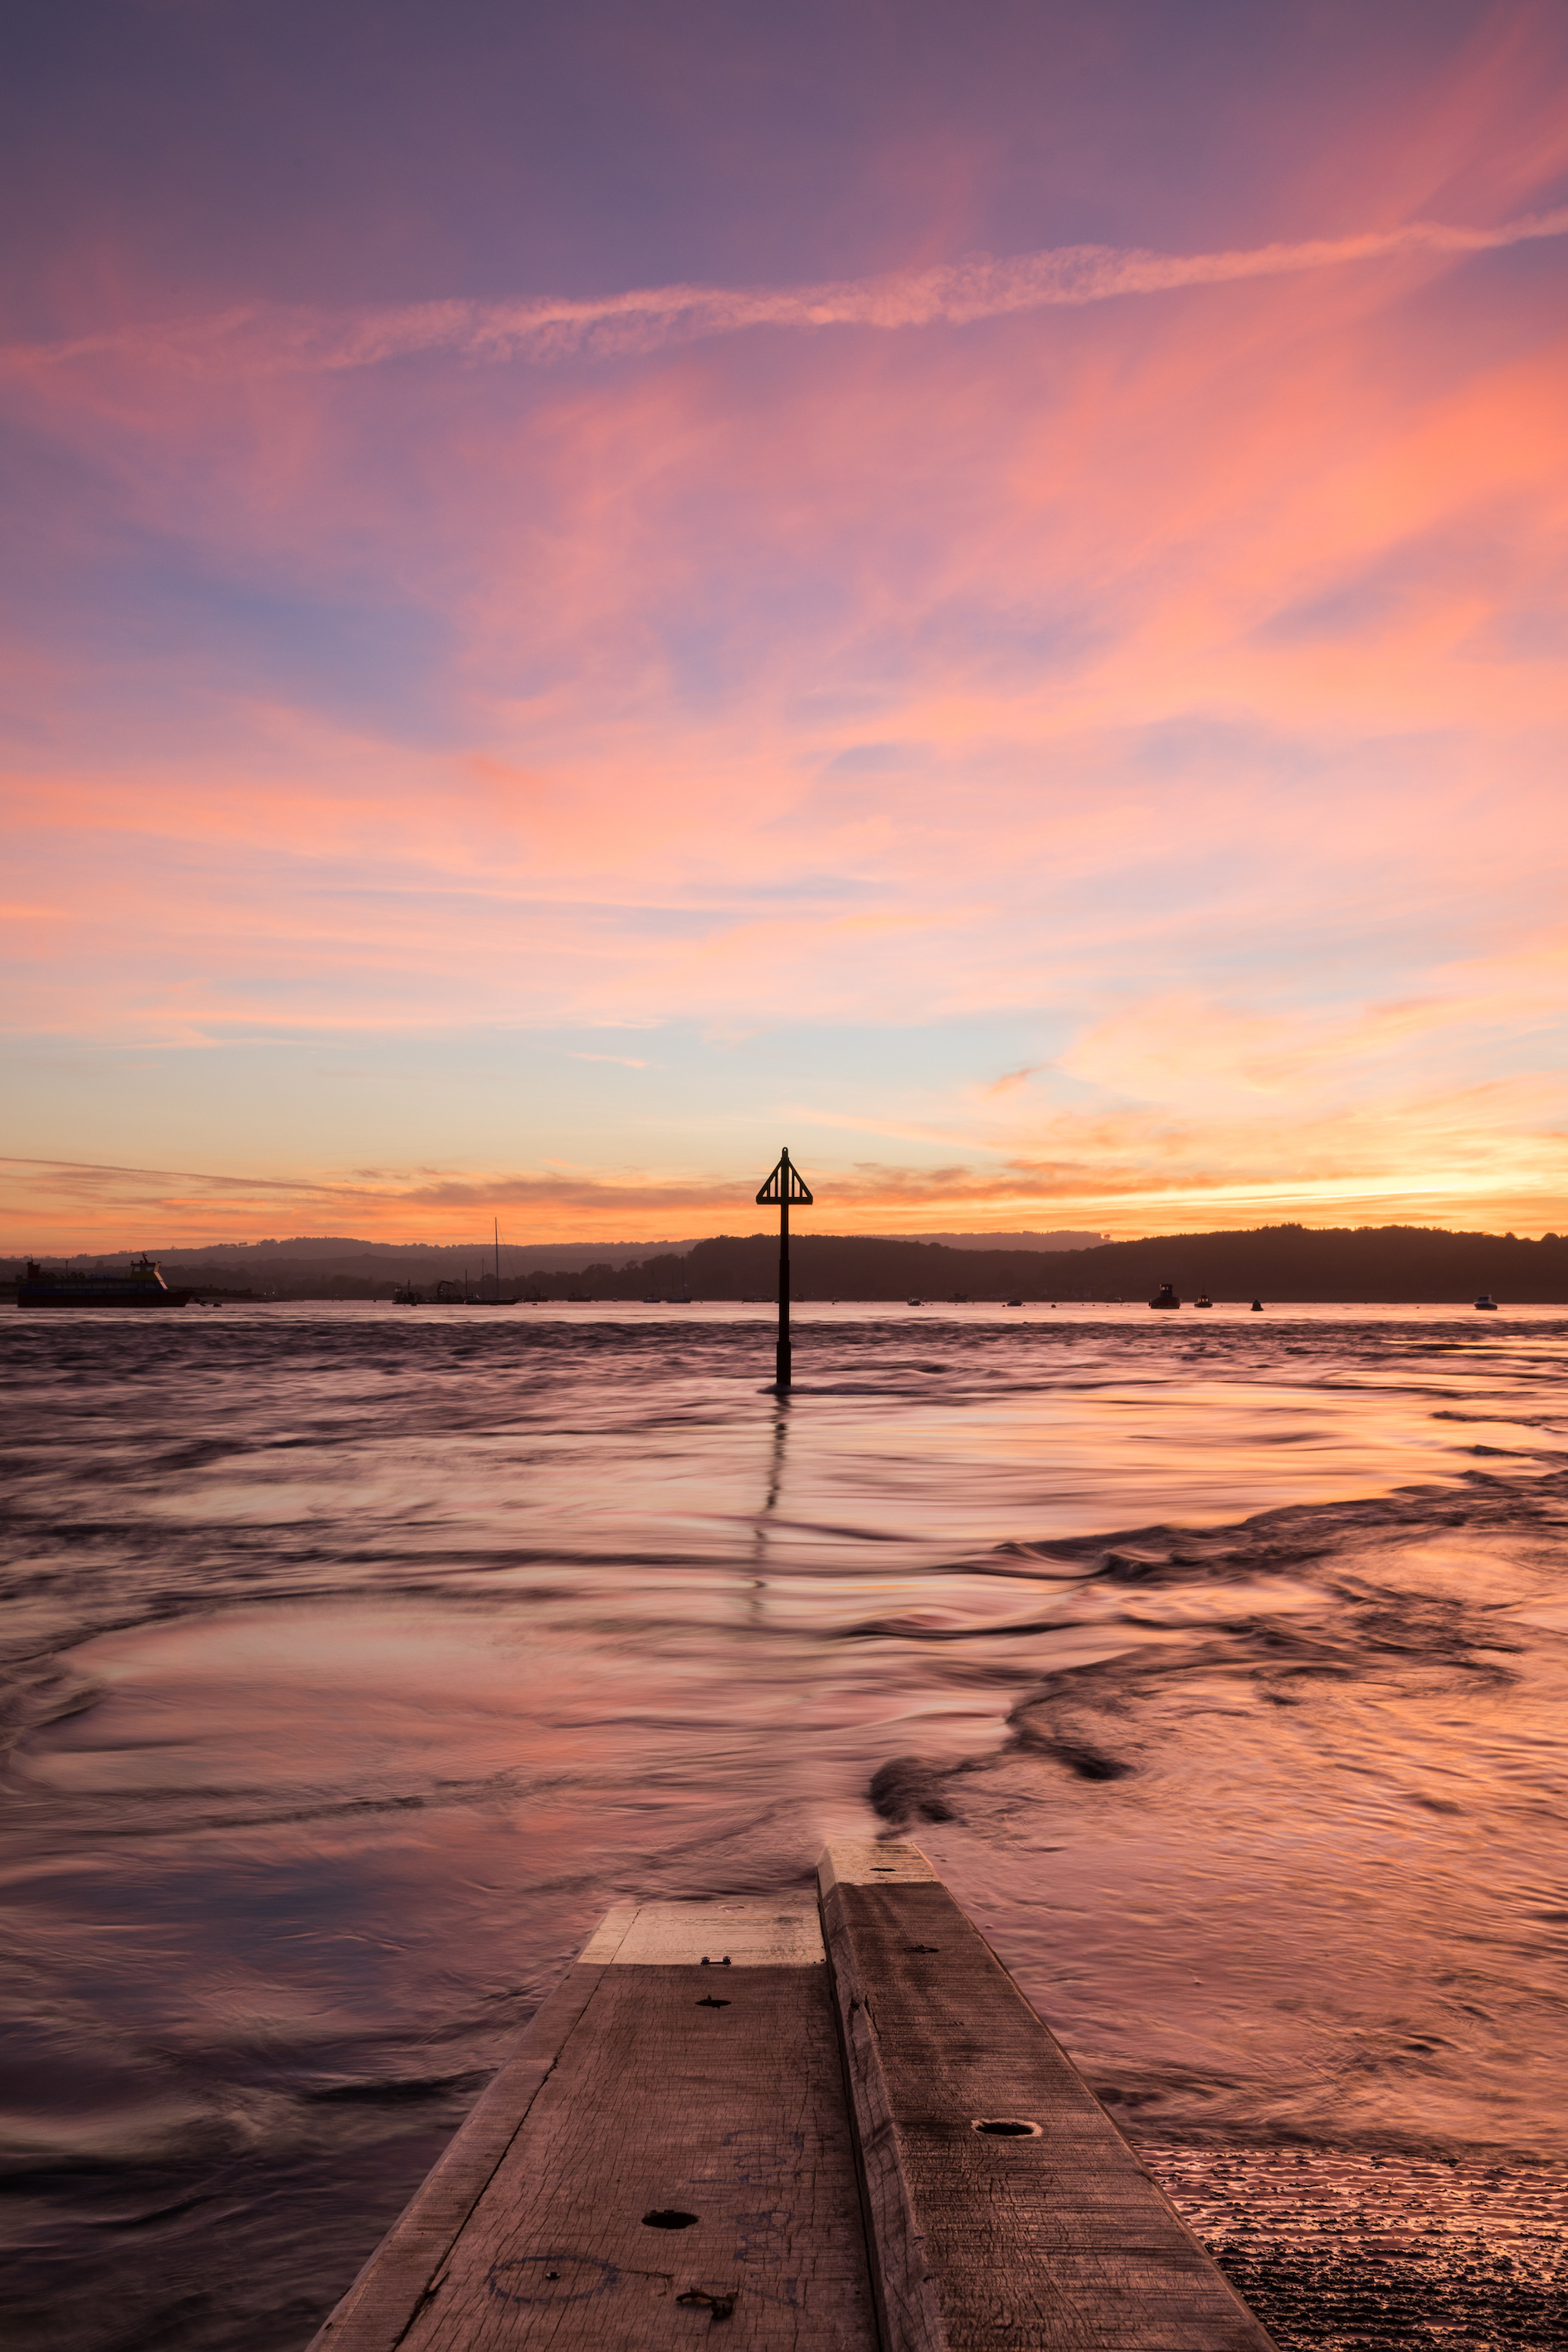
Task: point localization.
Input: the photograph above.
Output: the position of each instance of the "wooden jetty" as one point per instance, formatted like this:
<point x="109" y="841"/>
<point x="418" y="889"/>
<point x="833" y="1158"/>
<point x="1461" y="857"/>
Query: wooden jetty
<point x="828" y="2122"/>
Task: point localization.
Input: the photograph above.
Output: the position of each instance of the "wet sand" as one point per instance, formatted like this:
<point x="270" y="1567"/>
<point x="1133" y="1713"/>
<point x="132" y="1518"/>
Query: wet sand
<point x="1332" y="2248"/>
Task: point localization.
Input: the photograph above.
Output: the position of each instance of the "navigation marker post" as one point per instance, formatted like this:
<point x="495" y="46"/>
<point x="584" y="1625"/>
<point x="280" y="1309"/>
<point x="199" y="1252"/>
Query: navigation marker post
<point x="784" y="1186"/>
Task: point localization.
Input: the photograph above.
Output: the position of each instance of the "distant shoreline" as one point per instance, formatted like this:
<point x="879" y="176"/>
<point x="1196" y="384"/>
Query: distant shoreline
<point x="1284" y="1265"/>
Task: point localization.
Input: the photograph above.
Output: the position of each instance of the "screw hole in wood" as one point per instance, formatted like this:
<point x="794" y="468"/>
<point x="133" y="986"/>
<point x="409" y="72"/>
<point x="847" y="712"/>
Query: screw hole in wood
<point x="697" y="2298"/>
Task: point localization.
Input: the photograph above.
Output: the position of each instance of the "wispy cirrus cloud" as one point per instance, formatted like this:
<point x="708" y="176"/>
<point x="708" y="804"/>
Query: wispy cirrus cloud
<point x="541" y="328"/>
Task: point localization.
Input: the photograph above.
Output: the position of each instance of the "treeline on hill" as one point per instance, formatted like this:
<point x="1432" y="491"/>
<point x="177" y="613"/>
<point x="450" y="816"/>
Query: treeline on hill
<point x="1283" y="1263"/>
<point x="1278" y="1263"/>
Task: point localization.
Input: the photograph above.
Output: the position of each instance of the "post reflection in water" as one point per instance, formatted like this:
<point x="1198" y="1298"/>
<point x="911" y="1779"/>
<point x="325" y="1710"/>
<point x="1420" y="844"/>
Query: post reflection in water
<point x="769" y="1500"/>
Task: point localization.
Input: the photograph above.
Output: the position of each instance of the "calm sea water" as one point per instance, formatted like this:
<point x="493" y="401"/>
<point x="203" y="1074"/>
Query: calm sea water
<point x="357" y="1658"/>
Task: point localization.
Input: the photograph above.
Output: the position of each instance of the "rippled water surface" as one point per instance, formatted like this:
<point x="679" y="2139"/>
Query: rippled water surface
<point x="357" y="1658"/>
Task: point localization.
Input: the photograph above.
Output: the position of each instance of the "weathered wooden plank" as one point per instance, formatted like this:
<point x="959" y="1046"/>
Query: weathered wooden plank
<point x="711" y="2090"/>
<point x="1049" y="2236"/>
<point x="672" y="2149"/>
<point x="373" y="2316"/>
<point x="744" y="1931"/>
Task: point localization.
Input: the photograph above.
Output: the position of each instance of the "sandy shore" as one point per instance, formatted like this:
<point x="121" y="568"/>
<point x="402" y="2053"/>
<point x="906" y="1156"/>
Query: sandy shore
<point x="1336" y="2249"/>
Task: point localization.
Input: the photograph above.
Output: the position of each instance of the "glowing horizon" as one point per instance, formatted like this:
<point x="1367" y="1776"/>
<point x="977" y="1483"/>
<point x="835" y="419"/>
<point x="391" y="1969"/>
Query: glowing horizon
<point x="1068" y="739"/>
<point x="93" y="1202"/>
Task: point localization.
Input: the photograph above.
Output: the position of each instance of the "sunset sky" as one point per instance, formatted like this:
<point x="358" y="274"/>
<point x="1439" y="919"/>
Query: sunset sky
<point x="979" y="589"/>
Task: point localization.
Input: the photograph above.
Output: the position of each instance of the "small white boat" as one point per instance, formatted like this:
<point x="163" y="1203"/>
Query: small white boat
<point x="1487" y="1303"/>
<point x="914" y="1302"/>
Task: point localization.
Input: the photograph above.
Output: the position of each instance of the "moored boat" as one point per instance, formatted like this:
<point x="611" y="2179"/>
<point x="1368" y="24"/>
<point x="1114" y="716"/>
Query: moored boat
<point x="1487" y="1303"/>
<point x="1166" y="1295"/>
<point x="1203" y="1299"/>
<point x="139" y="1284"/>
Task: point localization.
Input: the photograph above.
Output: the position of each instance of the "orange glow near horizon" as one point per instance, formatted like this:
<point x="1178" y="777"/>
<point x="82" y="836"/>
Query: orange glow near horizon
<point x="60" y="1211"/>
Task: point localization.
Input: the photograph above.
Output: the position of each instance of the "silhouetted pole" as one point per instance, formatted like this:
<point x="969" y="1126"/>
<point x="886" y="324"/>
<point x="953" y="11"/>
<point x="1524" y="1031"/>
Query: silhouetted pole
<point x="784" y="1186"/>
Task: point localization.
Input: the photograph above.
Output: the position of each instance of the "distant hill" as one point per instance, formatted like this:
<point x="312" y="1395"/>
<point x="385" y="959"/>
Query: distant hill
<point x="313" y="1256"/>
<point x="1388" y="1264"/>
<point x="1278" y="1263"/>
<point x="1059" y="1239"/>
<point x="332" y="1254"/>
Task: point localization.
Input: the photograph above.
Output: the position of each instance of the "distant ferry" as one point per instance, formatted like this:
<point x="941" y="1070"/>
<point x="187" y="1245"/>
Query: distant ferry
<point x="1487" y="1303"/>
<point x="140" y="1285"/>
<point x="1167" y="1295"/>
